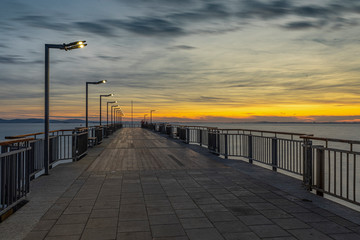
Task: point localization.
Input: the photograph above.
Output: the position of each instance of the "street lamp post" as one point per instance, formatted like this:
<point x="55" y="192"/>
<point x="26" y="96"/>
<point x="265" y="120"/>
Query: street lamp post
<point x="101" y="96"/>
<point x="151" y="111"/>
<point x="107" y="112"/>
<point x="121" y="114"/>
<point x="112" y="109"/>
<point x="145" y="117"/>
<point x="66" y="47"/>
<point x="87" y="84"/>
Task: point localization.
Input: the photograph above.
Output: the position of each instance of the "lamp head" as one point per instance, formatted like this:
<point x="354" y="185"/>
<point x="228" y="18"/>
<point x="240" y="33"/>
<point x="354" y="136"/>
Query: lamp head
<point x="74" y="45"/>
<point x="102" y="81"/>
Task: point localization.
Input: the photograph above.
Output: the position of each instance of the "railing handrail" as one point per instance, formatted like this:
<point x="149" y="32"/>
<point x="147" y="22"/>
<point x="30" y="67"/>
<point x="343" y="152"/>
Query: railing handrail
<point x="266" y="131"/>
<point x="39" y="133"/>
<point x="4" y="143"/>
<point x="331" y="139"/>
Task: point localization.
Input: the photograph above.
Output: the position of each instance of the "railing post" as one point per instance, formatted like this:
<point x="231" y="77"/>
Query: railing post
<point x="320" y="171"/>
<point x="218" y="142"/>
<point x="250" y="152"/>
<point x="74" y="146"/>
<point x="200" y="138"/>
<point x="187" y="137"/>
<point x="226" y="146"/>
<point x="307" y="175"/>
<point x="274" y="154"/>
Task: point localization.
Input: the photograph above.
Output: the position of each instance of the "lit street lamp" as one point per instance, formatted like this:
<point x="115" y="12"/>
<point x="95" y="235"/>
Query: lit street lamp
<point x="107" y="112"/>
<point x="121" y="114"/>
<point x="101" y="96"/>
<point x="112" y="109"/>
<point x="151" y="111"/>
<point x="66" y="47"/>
<point x="87" y="83"/>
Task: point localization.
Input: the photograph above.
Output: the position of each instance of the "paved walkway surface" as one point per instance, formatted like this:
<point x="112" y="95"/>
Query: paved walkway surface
<point x="144" y="186"/>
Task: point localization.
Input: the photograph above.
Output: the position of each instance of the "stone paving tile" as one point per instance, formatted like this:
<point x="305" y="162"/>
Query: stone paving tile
<point x="73" y="218"/>
<point x="171" y="230"/>
<point x="233" y="226"/>
<point x="187" y="205"/>
<point x="204" y="234"/>
<point x="163" y="219"/>
<point x="309" y="217"/>
<point x="52" y="214"/>
<point x="78" y="210"/>
<point x="125" y="201"/>
<point x="101" y="222"/>
<point x="73" y="237"/>
<point x="254" y="220"/>
<point x="158" y="203"/>
<point x="228" y="196"/>
<point x="220" y="216"/>
<point x="243" y="210"/>
<point x="133" y="216"/>
<point x="66" y="229"/>
<point x="158" y="210"/>
<point x="172" y="238"/>
<point x="275" y="213"/>
<point x="341" y="221"/>
<point x="345" y="236"/>
<point x="290" y="223"/>
<point x="44" y="225"/>
<point x="190" y="223"/>
<point x="242" y="236"/>
<point x="189" y="213"/>
<point x="134" y="236"/>
<point x="255" y="199"/>
<point x="106" y="204"/>
<point x="102" y="213"/>
<point x="209" y="200"/>
<point x="329" y="227"/>
<point x="213" y="208"/>
<point x="306" y="234"/>
<point x="133" y="226"/>
<point x="263" y="206"/>
<point x="81" y="202"/>
<point x="99" y="233"/>
<point x="36" y="235"/>
<point x="267" y="231"/>
<point x="132" y="195"/>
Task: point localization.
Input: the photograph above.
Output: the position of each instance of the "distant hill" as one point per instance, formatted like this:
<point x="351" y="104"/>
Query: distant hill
<point x="37" y="120"/>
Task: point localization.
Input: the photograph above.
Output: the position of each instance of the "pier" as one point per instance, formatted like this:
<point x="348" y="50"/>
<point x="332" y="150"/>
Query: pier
<point x="139" y="184"/>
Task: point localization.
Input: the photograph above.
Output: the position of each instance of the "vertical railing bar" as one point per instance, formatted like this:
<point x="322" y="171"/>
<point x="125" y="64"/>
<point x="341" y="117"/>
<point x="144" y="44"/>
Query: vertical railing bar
<point x="354" y="178"/>
<point x="335" y="172"/>
<point x="329" y="171"/>
<point x="347" y="175"/>
<point x="341" y="175"/>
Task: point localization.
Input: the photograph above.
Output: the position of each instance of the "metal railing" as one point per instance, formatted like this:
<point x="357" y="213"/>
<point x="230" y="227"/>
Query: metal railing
<point x="14" y="172"/>
<point x="330" y="167"/>
<point x="22" y="158"/>
<point x="334" y="168"/>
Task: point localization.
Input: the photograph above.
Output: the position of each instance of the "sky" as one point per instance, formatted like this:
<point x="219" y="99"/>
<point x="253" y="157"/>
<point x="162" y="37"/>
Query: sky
<point x="190" y="60"/>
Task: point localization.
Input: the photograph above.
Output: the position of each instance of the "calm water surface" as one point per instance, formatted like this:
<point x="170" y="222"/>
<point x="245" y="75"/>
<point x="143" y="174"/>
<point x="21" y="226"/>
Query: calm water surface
<point x="341" y="131"/>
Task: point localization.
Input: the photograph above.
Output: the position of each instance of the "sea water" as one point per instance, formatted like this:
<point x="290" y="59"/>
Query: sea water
<point x="346" y="131"/>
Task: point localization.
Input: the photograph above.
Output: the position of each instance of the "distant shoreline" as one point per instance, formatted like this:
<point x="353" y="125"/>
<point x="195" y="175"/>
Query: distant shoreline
<point x="37" y="120"/>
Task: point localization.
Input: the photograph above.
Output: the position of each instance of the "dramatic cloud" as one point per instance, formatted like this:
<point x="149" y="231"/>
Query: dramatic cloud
<point x="182" y="47"/>
<point x="40" y="21"/>
<point x="99" y="29"/>
<point x="235" y="59"/>
<point x="302" y="25"/>
<point x="16" y="59"/>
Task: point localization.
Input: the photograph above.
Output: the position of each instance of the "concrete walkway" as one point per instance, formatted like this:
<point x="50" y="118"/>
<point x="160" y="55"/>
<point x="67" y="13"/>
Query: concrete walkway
<point x="173" y="191"/>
